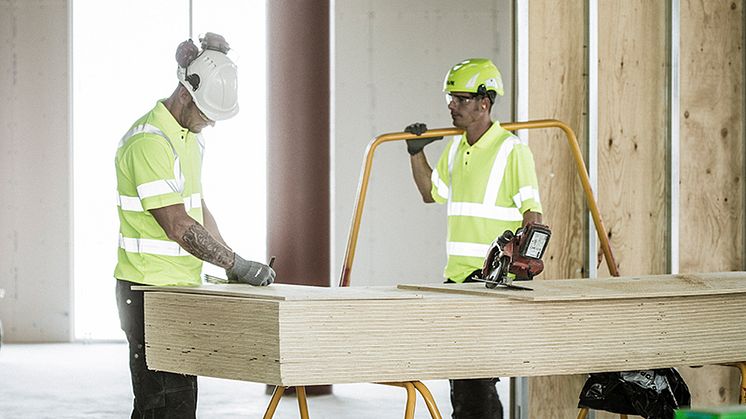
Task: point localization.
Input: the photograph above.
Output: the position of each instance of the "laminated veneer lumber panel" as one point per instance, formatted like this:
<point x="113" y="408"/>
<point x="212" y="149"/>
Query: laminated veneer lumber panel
<point x="437" y="336"/>
<point x="712" y="283"/>
<point x="217" y="336"/>
<point x="285" y="292"/>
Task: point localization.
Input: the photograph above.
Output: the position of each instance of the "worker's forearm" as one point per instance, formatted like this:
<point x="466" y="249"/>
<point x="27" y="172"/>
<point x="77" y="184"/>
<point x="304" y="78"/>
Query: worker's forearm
<point x="422" y="172"/>
<point x="203" y="245"/>
<point x="211" y="225"/>
<point x="192" y="236"/>
<point x="531" y="217"/>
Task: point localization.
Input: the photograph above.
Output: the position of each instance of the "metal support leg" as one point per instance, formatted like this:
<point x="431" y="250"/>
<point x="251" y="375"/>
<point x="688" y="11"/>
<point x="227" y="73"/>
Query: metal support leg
<point x="411" y="401"/>
<point x="428" y="397"/>
<point x="412" y="388"/>
<point x="300" y="393"/>
<point x="274" y="401"/>
<point x="411" y="397"/>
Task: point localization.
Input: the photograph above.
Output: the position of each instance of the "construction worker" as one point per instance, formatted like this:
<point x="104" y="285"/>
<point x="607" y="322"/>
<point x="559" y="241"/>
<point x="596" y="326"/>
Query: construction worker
<point x="166" y="230"/>
<point x="487" y="179"/>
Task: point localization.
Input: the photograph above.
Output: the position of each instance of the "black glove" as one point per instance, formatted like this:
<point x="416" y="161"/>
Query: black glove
<point x="415" y="146"/>
<point x="505" y="238"/>
<point x="249" y="272"/>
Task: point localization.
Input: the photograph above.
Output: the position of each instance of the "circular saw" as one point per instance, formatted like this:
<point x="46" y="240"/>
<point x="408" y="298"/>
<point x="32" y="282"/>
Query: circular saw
<point x="516" y="256"/>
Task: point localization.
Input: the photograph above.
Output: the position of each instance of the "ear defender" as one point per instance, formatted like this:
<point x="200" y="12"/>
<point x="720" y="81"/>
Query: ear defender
<point x="193" y="80"/>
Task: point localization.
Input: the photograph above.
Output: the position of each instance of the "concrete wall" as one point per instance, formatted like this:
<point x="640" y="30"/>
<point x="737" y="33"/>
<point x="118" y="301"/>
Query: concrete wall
<point x="390" y="58"/>
<point x="35" y="171"/>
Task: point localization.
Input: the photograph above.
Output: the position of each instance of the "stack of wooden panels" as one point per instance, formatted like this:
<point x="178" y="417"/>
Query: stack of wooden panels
<point x="296" y="335"/>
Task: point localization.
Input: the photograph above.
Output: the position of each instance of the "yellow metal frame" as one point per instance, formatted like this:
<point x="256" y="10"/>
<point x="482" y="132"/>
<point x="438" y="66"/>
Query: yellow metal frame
<point x="572" y="141"/>
<point x="344" y="280"/>
<point x="412" y="388"/>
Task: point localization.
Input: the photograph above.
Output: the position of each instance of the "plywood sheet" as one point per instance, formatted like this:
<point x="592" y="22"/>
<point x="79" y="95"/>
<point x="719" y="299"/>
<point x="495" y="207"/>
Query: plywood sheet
<point x="287" y="292"/>
<point x="307" y="342"/>
<point x="718" y="283"/>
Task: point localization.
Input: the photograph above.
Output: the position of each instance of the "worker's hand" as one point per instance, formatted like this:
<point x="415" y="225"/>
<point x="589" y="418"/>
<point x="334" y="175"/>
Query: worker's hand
<point x="506" y="237"/>
<point x="416" y="145"/>
<point x="249" y="272"/>
<point x="186" y="53"/>
<point x="215" y="42"/>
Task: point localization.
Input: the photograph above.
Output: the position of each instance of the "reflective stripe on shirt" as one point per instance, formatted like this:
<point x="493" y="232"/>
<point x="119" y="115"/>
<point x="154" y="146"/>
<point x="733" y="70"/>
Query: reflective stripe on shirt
<point x="525" y="193"/>
<point x="132" y="203"/>
<point x="467" y="249"/>
<point x="151" y="246"/>
<point x="177" y="183"/>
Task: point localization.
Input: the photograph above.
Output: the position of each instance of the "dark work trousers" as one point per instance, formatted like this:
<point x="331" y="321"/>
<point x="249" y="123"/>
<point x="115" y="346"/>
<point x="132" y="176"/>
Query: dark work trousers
<point x="476" y="398"/>
<point x="157" y="394"/>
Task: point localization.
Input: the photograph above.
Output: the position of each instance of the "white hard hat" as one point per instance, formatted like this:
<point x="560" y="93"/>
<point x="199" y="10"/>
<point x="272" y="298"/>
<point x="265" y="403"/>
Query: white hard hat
<point x="212" y="81"/>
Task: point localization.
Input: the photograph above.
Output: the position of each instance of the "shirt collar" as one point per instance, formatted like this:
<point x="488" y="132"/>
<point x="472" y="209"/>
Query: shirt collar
<point x="167" y="122"/>
<point x="494" y="133"/>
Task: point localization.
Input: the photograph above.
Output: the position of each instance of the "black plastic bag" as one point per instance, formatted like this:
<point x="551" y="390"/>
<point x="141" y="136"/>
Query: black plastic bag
<point x="652" y="394"/>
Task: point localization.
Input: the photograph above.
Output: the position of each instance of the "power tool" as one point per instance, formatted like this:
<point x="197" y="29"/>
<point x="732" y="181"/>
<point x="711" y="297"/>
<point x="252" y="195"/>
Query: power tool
<point x="518" y="254"/>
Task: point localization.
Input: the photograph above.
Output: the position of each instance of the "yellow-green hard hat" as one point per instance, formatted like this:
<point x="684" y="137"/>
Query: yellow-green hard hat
<point x="475" y="75"/>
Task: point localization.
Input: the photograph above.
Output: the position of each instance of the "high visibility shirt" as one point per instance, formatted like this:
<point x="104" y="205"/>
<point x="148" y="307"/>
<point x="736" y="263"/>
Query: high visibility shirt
<point x="487" y="187"/>
<point x="158" y="163"/>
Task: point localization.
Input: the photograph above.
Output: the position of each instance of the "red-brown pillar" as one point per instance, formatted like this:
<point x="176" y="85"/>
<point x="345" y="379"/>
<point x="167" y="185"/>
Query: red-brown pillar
<point x="298" y="142"/>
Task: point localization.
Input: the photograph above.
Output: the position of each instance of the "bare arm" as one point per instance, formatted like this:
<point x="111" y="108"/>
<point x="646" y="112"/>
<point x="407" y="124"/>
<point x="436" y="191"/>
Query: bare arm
<point x="211" y="225"/>
<point x="421" y="171"/>
<point x="531" y="217"/>
<point x="192" y="236"/>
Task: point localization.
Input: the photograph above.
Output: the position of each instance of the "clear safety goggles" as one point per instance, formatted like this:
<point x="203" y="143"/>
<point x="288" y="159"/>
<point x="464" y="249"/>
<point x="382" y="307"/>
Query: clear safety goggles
<point x="458" y="100"/>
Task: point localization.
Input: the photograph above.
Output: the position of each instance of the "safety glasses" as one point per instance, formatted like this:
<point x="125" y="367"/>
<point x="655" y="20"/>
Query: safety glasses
<point x="459" y="100"/>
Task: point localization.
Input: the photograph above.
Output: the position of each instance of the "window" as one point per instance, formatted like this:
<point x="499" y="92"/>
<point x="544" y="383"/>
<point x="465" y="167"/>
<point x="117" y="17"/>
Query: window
<point x="122" y="64"/>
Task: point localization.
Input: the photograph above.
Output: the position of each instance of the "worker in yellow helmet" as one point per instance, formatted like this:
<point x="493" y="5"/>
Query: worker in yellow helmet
<point x="487" y="179"/>
<point x="166" y="230"/>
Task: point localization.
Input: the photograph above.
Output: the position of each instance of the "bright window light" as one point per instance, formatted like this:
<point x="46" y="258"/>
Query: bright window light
<point x="123" y="62"/>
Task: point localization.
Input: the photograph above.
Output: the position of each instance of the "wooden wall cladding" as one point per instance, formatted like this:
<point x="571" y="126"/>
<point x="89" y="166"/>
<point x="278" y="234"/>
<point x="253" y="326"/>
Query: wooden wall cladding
<point x="712" y="150"/>
<point x="632" y="133"/>
<point x="557" y="89"/>
<point x="632" y="149"/>
<point x="712" y="160"/>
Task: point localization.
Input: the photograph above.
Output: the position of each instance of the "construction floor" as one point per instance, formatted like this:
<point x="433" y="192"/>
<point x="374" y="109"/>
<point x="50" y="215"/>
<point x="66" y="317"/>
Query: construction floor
<point x="79" y="380"/>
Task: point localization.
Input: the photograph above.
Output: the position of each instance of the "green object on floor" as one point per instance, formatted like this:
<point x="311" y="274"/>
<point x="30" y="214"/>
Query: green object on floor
<point x="723" y="412"/>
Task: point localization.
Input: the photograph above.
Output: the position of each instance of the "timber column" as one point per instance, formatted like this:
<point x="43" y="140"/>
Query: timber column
<point x="298" y="143"/>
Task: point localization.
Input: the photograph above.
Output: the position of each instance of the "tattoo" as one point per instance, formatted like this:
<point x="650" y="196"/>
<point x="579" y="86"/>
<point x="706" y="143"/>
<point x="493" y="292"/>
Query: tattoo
<point x="200" y="243"/>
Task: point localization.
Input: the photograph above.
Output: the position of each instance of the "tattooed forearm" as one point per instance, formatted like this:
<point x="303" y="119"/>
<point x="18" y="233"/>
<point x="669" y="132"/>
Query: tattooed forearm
<point x="200" y="243"/>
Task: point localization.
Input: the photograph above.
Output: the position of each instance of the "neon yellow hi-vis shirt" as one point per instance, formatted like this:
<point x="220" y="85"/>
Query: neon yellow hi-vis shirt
<point x="158" y="164"/>
<point x="487" y="187"/>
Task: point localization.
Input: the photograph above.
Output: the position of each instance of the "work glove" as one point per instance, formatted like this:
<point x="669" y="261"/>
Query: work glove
<point x="214" y="42"/>
<point x="249" y="272"/>
<point x="416" y="145"/>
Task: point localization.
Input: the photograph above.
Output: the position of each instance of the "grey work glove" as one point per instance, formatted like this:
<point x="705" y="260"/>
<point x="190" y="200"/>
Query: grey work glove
<point x="415" y="146"/>
<point x="249" y="272"/>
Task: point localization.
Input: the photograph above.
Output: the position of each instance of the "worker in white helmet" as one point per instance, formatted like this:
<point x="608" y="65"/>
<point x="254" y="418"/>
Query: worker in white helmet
<point x="487" y="179"/>
<point x="166" y="230"/>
